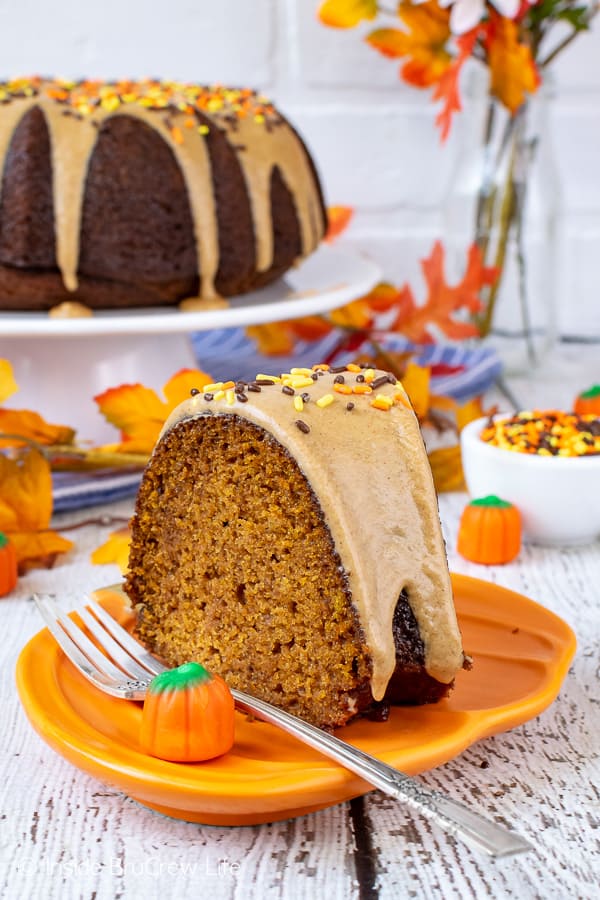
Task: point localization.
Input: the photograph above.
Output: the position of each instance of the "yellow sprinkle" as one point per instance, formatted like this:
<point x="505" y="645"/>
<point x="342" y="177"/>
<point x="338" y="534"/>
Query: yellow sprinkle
<point x="230" y="397"/>
<point x="369" y="375"/>
<point x="219" y="395"/>
<point x="110" y="103"/>
<point x="325" y="400"/>
<point x="300" y="381"/>
<point x="382" y="402"/>
<point x="274" y="378"/>
<point x="203" y="129"/>
<point x="298" y="403"/>
<point x="259" y="118"/>
<point x="300" y="371"/>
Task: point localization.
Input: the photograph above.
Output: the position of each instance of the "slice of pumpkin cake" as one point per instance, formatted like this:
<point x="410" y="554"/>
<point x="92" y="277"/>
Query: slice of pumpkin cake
<point x="286" y="535"/>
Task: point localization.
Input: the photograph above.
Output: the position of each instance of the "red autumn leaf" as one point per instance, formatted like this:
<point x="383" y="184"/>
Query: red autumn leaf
<point x="447" y="88"/>
<point x="443" y="300"/>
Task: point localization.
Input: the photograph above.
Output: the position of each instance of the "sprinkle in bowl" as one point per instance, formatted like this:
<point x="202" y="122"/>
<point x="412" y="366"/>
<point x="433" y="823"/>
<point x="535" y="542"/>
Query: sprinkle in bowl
<point x="558" y="496"/>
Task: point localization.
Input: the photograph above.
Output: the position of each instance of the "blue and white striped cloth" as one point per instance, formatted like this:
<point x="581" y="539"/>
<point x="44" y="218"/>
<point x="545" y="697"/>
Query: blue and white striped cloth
<point x="227" y="353"/>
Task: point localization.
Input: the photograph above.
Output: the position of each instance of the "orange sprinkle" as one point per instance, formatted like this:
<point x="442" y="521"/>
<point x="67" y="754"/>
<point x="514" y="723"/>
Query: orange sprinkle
<point x="342" y="388"/>
<point x="352" y="367"/>
<point x="321" y="367"/>
<point x="228" y="385"/>
<point x="177" y="134"/>
<point x="382" y="402"/>
<point x="362" y="389"/>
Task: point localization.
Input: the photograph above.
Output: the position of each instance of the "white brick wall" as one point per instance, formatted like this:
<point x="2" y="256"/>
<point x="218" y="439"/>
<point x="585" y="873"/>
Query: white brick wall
<point x="372" y="136"/>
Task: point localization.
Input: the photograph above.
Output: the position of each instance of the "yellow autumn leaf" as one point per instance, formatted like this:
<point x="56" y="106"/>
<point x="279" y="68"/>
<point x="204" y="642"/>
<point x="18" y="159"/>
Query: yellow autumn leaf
<point x="26" y="508"/>
<point x="416" y="380"/>
<point x="513" y="72"/>
<point x="446" y="468"/>
<point x="346" y="13"/>
<point x="114" y="550"/>
<point x="8" y="385"/>
<point x="178" y="388"/>
<point x="357" y="314"/>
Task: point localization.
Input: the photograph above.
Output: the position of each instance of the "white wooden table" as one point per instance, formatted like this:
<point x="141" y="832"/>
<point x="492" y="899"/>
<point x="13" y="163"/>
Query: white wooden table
<point x="65" y="835"/>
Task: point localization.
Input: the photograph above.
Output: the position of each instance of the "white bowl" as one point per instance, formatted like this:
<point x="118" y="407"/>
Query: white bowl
<point x="558" y="497"/>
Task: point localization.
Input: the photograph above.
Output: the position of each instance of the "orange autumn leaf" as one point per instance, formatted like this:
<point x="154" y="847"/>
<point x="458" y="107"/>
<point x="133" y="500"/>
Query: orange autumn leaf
<point x="30" y="426"/>
<point x="139" y="413"/>
<point x="114" y="550"/>
<point x="513" y="72"/>
<point x="423" y="42"/>
<point x="26" y="508"/>
<point x="383" y="297"/>
<point x="443" y="300"/>
<point x="8" y="385"/>
<point x="272" y="339"/>
<point x="357" y="314"/>
<point x="310" y="328"/>
<point x="338" y="218"/>
<point x="446" y="468"/>
<point x="346" y="13"/>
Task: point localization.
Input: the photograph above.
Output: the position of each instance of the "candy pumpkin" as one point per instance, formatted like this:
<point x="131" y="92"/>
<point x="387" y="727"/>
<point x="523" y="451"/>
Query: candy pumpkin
<point x="588" y="402"/>
<point x="489" y="531"/>
<point x="188" y="715"/>
<point x="8" y="565"/>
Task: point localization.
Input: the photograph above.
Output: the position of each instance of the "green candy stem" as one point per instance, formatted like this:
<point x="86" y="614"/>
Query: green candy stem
<point x="592" y="392"/>
<point x="3" y="540"/>
<point x="491" y="500"/>
<point x="188" y="675"/>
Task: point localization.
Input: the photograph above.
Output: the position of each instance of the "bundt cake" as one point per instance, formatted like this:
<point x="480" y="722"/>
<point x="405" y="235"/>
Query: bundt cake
<point x="147" y="193"/>
<point x="286" y="535"/>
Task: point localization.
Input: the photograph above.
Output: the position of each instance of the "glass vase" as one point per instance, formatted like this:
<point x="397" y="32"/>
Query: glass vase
<point x="504" y="196"/>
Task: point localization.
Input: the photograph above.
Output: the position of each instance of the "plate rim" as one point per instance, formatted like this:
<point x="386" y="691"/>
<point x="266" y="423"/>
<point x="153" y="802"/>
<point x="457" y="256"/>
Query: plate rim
<point x="324" y="777"/>
<point x="269" y="304"/>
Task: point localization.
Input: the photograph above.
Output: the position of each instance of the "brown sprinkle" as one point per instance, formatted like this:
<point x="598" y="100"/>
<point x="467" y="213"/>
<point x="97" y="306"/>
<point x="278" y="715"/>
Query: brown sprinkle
<point x="383" y="379"/>
<point x="255" y="388"/>
<point x="350" y="406"/>
<point x="194" y="391"/>
<point x="305" y="397"/>
<point x="339" y="379"/>
<point x="336" y="369"/>
<point x="286" y="389"/>
<point x="241" y="397"/>
<point x="360" y="378"/>
<point x="208" y="396"/>
<point x="302" y="426"/>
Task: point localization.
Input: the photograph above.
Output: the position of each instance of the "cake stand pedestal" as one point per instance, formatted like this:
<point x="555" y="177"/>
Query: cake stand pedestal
<point x="61" y="364"/>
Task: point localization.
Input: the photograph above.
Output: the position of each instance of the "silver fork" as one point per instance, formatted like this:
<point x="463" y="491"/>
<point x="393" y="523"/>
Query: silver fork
<point x="130" y="670"/>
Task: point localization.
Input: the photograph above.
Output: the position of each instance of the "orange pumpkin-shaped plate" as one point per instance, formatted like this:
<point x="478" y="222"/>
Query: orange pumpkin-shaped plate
<point x="521" y="653"/>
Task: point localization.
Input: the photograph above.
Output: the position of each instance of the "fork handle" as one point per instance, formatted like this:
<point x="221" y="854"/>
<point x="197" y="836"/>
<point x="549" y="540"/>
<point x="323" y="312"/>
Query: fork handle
<point x="453" y="817"/>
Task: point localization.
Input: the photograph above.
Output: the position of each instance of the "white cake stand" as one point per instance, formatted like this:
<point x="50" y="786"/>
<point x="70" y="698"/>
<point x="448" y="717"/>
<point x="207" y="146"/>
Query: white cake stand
<point x="61" y="364"/>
